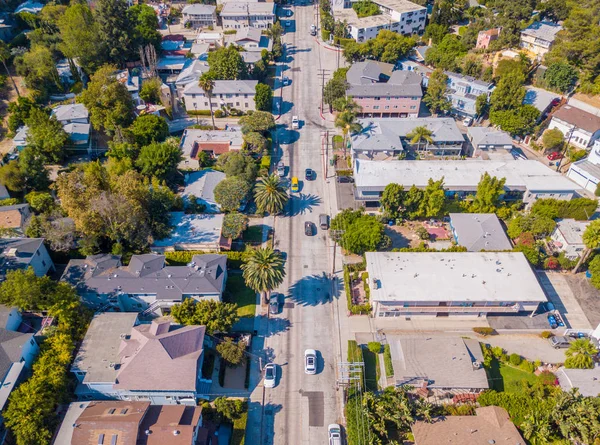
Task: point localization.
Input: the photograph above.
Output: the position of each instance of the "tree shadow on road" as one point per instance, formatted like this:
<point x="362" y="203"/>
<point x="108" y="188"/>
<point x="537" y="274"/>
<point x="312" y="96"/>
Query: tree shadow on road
<point x="266" y="434"/>
<point x="301" y="204"/>
<point x="312" y="290"/>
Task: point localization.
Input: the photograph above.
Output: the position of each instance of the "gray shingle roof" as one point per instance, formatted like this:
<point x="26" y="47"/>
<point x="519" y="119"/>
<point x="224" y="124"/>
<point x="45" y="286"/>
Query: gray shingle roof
<point x="202" y="184"/>
<point x="401" y="83"/>
<point x="363" y="73"/>
<point x="16" y="253"/>
<point x="488" y="136"/>
<point x="148" y="274"/>
<point x="199" y="9"/>
<point x="70" y="112"/>
<point x="11" y="348"/>
<point x="479" y="231"/>
<point x="542" y="30"/>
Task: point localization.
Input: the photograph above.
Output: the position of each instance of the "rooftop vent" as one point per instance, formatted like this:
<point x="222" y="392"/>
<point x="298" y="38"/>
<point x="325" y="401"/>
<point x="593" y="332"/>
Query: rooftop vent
<point x="175" y="432"/>
<point x="12" y="251"/>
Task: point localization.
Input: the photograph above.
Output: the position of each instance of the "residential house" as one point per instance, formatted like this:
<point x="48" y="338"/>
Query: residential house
<point x="19" y="141"/>
<point x="541" y="99"/>
<point x="237" y="94"/>
<point x="147" y="285"/>
<point x="243" y="14"/>
<point x="130" y="422"/>
<point x="580" y="126"/>
<point x="171" y="64"/>
<point x="585" y="381"/>
<point x="75" y="121"/>
<point x="212" y="142"/>
<point x="251" y="39"/>
<point x="423" y="71"/>
<point x="568" y="237"/>
<point x="491" y="424"/>
<point x="132" y="83"/>
<point x="22" y="253"/>
<point x="386" y="138"/>
<point x="123" y="360"/>
<point x="382" y="92"/>
<point x="199" y="16"/>
<point x="400" y="16"/>
<point x="452" y="284"/>
<point x="438" y="365"/>
<point x="201" y="185"/>
<point x="17" y="351"/>
<point x="190" y="74"/>
<point x="200" y="231"/>
<point x="526" y="180"/>
<point x="418" y="53"/>
<point x="538" y="37"/>
<point x="479" y="232"/>
<point x="586" y="172"/>
<point x="489" y="139"/>
<point x="484" y="38"/>
<point x="65" y="71"/>
<point x="29" y="7"/>
<point x="14" y="217"/>
<point x="214" y="39"/>
<point x="463" y="92"/>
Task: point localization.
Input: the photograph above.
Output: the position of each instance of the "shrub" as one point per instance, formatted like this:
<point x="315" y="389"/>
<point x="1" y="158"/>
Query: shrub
<point x="198" y="112"/>
<point x="527" y="366"/>
<point x="551" y="263"/>
<point x="497" y="352"/>
<point x="578" y="208"/>
<point x="265" y="162"/>
<point x="459" y="410"/>
<point x="387" y="360"/>
<point x="546" y="334"/>
<point x="515" y="359"/>
<point x="183" y="257"/>
<point x="374" y="347"/>
<point x="219" y="113"/>
<point x="547" y="378"/>
<point x="422" y="233"/>
<point x="485" y="331"/>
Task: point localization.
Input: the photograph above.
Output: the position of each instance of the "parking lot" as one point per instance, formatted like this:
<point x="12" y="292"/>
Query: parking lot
<point x="530" y="346"/>
<point x="559" y="292"/>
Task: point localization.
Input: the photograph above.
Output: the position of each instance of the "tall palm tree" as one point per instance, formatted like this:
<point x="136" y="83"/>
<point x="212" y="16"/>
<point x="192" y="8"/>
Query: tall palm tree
<point x="207" y="84"/>
<point x="346" y="120"/>
<point x="420" y="134"/>
<point x="270" y="194"/>
<point x="263" y="270"/>
<point x="591" y="239"/>
<point x="4" y="56"/>
<point x="579" y="355"/>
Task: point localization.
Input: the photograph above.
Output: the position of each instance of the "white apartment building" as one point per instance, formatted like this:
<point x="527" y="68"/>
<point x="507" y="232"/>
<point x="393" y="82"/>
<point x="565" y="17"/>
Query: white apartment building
<point x="237" y="94"/>
<point x="239" y="15"/>
<point x="199" y="15"/>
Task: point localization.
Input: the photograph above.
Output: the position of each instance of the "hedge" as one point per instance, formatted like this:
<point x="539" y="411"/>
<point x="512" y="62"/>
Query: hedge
<point x="183" y="257"/>
<point x="265" y="162"/>
<point x="578" y="208"/>
<point x="353" y="308"/>
<point x="387" y="361"/>
<point x="238" y="436"/>
<point x="198" y="112"/>
<point x="348" y="172"/>
<point x="485" y="331"/>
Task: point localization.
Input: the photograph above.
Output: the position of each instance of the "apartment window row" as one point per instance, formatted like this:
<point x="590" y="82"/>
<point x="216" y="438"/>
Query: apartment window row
<point x="222" y="96"/>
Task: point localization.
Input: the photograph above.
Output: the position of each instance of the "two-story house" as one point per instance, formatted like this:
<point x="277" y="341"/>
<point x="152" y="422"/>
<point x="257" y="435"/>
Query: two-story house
<point x="539" y="37"/>
<point x="237" y="94"/>
<point x="75" y="121"/>
<point x="22" y="253"/>
<point x="239" y="15"/>
<point x="400" y="16"/>
<point x="147" y="285"/>
<point x="586" y="172"/>
<point x="213" y="142"/>
<point x="484" y="38"/>
<point x="463" y="92"/>
<point x="382" y="92"/>
<point x="568" y="237"/>
<point x="157" y="362"/>
<point x="578" y="122"/>
<point x="199" y="15"/>
<point x="14" y="217"/>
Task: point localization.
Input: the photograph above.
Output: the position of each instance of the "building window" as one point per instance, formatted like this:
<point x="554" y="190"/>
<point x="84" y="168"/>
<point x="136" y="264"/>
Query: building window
<point x="412" y="107"/>
<point x="387" y="107"/>
<point x="43" y="263"/>
<point x="376" y="107"/>
<point x="377" y="98"/>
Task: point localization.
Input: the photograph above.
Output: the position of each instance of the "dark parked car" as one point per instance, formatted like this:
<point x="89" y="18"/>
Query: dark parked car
<point x="345" y="179"/>
<point x="274" y="304"/>
<point x="309" y="174"/>
<point x="308" y="228"/>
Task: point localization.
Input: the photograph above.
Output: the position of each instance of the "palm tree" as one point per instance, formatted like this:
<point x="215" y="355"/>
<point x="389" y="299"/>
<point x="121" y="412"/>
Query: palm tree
<point x="4" y="56"/>
<point x="579" y="355"/>
<point x="346" y="120"/>
<point x="270" y="195"/>
<point x="420" y="134"/>
<point x="263" y="270"/>
<point x="536" y="429"/>
<point x="207" y="84"/>
<point x="591" y="239"/>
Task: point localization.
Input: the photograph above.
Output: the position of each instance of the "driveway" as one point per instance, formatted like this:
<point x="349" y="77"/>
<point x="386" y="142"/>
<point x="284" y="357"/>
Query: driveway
<point x="559" y="292"/>
<point x="530" y="346"/>
<point x="587" y="296"/>
<point x="345" y="196"/>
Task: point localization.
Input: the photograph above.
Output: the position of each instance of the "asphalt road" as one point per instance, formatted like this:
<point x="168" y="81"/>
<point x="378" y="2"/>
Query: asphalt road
<point x="299" y="408"/>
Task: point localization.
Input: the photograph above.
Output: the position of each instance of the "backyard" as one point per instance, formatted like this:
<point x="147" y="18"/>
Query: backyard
<point x="412" y="233"/>
<point x="237" y="292"/>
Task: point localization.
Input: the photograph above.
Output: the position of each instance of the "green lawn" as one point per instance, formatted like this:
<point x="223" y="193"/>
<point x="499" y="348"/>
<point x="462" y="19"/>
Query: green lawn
<point x="371" y="370"/>
<point x="507" y="378"/>
<point x="236" y="291"/>
<point x="253" y="234"/>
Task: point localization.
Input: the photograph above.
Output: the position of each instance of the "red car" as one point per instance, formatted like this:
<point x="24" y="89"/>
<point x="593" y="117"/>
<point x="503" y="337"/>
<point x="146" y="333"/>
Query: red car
<point x="555" y="156"/>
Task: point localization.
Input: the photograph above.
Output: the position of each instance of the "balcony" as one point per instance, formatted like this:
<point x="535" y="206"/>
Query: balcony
<point x="452" y="309"/>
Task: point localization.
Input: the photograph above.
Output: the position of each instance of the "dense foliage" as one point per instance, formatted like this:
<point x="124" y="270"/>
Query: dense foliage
<point x="215" y="315"/>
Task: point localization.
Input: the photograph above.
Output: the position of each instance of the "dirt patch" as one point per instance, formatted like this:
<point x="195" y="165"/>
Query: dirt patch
<point x="405" y="235"/>
<point x="587" y="296"/>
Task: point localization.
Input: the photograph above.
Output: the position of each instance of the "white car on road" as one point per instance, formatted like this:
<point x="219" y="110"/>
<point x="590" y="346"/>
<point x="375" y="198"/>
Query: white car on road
<point x="270" y="375"/>
<point x="295" y="122"/>
<point x="310" y="361"/>
<point x="335" y="434"/>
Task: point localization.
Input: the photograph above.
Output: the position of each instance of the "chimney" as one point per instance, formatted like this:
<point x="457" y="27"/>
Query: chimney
<point x="159" y="327"/>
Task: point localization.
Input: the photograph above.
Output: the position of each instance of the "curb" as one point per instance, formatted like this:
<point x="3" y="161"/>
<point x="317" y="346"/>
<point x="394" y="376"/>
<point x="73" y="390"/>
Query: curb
<point x="328" y="47"/>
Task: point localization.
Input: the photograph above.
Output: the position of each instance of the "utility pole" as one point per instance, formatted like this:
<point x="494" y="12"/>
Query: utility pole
<point x="322" y="73"/>
<point x="564" y="150"/>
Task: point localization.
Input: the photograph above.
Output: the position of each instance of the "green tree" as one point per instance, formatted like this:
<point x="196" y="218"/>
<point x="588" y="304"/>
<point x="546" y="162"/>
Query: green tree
<point x="264" y="97"/>
<point x="216" y="316"/>
<point x="434" y="199"/>
<point x="231" y="192"/>
<point x="144" y="22"/>
<point x="481" y="105"/>
<point x="270" y="195"/>
<point x="234" y="224"/>
<point x="518" y="121"/>
<point x="553" y="140"/>
<point x="580" y="354"/>
<point x="159" y="160"/>
<point x="19" y="112"/>
<point x="5" y="55"/>
<point x="420" y="134"/>
<point x="365" y="8"/>
<point x="114" y="30"/>
<point x="536" y="429"/>
<point x="364" y="234"/>
<point x="509" y="92"/>
<point x="560" y="76"/>
<point x="232" y="353"/>
<point x="238" y="164"/>
<point x="39" y="70"/>
<point x="437" y="89"/>
<point x="263" y="270"/>
<point x="488" y="194"/>
<point x="40" y="202"/>
<point x="259" y="121"/>
<point x="347" y="122"/>
<point x="80" y="37"/>
<point x="150" y="91"/>
<point x="447" y="54"/>
<point x="46" y="135"/>
<point x="149" y="128"/>
<point x="255" y="142"/>
<point x="591" y="239"/>
<point x="231" y="409"/>
<point x="538" y="225"/>
<point x="226" y="63"/>
<point x="24" y="290"/>
<point x="207" y="84"/>
<point x="392" y="200"/>
<point x="436" y="32"/>
<point x="107" y="100"/>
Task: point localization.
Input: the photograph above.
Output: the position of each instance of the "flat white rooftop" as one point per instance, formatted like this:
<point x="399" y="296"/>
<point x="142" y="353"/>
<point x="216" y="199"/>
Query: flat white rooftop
<point x="461" y="175"/>
<point x="452" y="276"/>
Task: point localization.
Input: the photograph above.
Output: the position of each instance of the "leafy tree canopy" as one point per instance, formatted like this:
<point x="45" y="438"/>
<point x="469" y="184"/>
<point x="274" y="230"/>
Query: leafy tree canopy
<point x="216" y="316"/>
